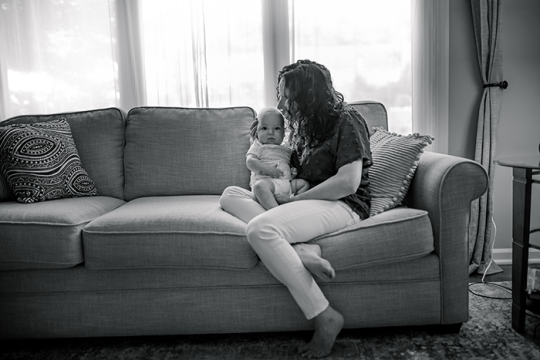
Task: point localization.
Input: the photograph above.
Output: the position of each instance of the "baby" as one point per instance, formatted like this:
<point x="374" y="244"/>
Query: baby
<point x="268" y="161"/>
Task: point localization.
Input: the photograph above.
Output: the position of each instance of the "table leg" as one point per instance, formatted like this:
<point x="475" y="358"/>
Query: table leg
<point x="521" y="221"/>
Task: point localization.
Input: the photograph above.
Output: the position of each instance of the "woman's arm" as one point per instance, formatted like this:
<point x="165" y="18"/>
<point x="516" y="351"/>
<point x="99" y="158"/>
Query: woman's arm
<point x="344" y="183"/>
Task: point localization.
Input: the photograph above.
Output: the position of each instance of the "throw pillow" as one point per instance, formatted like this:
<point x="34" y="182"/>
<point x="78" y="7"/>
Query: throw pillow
<point x="395" y="159"/>
<point x="40" y="162"/>
<point x="5" y="191"/>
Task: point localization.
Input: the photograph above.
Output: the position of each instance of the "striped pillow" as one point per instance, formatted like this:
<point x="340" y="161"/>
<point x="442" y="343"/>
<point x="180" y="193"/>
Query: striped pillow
<point x="395" y="159"/>
<point x="40" y="162"/>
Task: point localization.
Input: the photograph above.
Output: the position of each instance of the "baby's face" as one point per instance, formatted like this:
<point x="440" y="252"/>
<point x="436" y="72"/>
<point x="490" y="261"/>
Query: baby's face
<point x="270" y="129"/>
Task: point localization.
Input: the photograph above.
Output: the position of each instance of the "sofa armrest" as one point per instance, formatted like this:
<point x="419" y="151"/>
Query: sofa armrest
<point x="445" y="186"/>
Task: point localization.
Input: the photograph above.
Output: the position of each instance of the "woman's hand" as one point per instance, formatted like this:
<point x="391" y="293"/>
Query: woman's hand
<point x="257" y="166"/>
<point x="272" y="171"/>
<point x="294" y="172"/>
<point x="283" y="198"/>
<point x="344" y="183"/>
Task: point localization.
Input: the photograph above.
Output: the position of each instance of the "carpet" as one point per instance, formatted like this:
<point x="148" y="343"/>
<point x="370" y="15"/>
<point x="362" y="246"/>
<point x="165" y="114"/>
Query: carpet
<point x="487" y="335"/>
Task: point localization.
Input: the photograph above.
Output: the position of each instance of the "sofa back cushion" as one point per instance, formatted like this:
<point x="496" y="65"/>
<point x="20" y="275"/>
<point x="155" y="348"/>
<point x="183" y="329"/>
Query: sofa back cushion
<point x="373" y="112"/>
<point x="99" y="139"/>
<point x="186" y="151"/>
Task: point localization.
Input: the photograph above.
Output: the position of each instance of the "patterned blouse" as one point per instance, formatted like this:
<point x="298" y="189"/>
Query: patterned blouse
<point x="349" y="143"/>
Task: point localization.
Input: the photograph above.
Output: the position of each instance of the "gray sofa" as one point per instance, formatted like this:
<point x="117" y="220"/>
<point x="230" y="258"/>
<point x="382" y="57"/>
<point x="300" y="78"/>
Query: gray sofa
<point x="155" y="254"/>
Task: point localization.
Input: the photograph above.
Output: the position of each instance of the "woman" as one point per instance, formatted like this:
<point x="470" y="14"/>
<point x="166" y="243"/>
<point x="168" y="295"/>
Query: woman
<point x="331" y="142"/>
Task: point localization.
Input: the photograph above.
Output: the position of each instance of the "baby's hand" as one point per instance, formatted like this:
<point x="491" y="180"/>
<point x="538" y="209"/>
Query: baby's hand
<point x="274" y="171"/>
<point x="294" y="172"/>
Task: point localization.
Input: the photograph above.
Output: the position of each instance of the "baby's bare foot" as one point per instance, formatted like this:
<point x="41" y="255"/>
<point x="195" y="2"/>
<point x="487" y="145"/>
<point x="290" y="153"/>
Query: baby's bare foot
<point x="310" y="254"/>
<point x="328" y="324"/>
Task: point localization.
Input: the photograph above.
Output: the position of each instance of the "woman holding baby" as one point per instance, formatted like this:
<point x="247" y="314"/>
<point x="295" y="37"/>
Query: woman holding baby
<point x="331" y="142"/>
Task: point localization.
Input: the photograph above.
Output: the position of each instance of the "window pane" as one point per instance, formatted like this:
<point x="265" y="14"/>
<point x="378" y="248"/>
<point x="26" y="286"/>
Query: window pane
<point x="56" y="56"/>
<point x="203" y="53"/>
<point x="366" y="45"/>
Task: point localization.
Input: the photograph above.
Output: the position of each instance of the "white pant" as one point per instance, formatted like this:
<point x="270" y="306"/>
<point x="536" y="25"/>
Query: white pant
<point x="272" y="232"/>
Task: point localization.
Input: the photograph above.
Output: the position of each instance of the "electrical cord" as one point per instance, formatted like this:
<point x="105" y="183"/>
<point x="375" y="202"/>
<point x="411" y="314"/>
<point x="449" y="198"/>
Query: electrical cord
<point x="492" y="247"/>
<point x="507" y="289"/>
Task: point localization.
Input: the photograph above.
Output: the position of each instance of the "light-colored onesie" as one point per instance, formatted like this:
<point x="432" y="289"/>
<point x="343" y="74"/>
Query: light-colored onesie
<point x="273" y="154"/>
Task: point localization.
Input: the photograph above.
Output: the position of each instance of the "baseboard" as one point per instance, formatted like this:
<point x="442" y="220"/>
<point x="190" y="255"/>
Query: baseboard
<point x="504" y="256"/>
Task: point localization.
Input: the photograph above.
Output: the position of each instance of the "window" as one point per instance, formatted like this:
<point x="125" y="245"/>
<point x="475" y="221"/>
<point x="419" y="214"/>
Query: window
<point x="367" y="47"/>
<point x="203" y="53"/>
<point x="61" y="56"/>
<point x="55" y="56"/>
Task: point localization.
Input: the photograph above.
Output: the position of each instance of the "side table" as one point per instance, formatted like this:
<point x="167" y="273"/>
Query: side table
<point x="524" y="168"/>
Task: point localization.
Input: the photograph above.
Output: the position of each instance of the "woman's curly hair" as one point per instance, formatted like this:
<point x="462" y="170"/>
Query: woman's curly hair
<point x="318" y="104"/>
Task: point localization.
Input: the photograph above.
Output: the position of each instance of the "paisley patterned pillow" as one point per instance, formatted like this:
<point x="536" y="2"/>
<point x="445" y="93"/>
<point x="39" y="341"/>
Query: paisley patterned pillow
<point x="40" y="162"/>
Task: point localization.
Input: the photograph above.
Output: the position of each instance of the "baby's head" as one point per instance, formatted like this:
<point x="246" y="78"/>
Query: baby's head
<point x="271" y="126"/>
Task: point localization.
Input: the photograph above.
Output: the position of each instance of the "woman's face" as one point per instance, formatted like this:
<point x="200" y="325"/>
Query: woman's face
<point x="283" y="100"/>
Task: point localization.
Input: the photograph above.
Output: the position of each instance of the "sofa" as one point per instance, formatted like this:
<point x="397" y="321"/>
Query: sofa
<point x="153" y="253"/>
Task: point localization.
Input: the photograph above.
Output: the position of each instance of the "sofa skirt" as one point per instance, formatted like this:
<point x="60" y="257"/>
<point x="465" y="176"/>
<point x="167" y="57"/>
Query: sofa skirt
<point x="79" y="302"/>
<point x="211" y="310"/>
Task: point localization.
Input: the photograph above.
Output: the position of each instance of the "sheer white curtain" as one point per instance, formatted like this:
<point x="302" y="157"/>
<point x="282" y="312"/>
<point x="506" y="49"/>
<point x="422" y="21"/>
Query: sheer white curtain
<point x="55" y="56"/>
<point x="126" y="26"/>
<point x="430" y="71"/>
<point x="203" y="53"/>
<point x="81" y="54"/>
<point x="277" y="44"/>
<point x="216" y="53"/>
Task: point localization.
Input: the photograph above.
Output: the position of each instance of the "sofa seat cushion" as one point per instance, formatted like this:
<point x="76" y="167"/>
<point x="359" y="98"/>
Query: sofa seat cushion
<point x="396" y="235"/>
<point x="189" y="231"/>
<point x="82" y="279"/>
<point x="47" y="235"/>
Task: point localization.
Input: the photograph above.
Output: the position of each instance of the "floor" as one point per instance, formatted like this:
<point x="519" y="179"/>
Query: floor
<point x="487" y="335"/>
<point x="506" y="275"/>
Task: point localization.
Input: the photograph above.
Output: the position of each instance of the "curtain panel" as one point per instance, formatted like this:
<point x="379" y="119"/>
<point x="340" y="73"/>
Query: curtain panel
<point x="203" y="53"/>
<point x="276" y="45"/>
<point x="56" y="56"/>
<point x="487" y="31"/>
<point x="78" y="55"/>
<point x="131" y="75"/>
<point x="430" y="71"/>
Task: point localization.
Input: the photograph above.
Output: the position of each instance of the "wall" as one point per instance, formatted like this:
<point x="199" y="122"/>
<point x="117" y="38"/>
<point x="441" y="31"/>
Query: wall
<point x="519" y="127"/>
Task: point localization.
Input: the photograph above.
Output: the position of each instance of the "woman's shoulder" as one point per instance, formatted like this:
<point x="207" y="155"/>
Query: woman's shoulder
<point x="350" y="117"/>
<point x="348" y="112"/>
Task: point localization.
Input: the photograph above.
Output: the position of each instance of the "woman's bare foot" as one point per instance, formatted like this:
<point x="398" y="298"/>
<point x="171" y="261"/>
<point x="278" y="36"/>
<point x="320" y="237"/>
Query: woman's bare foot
<point x="310" y="254"/>
<point x="328" y="324"/>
